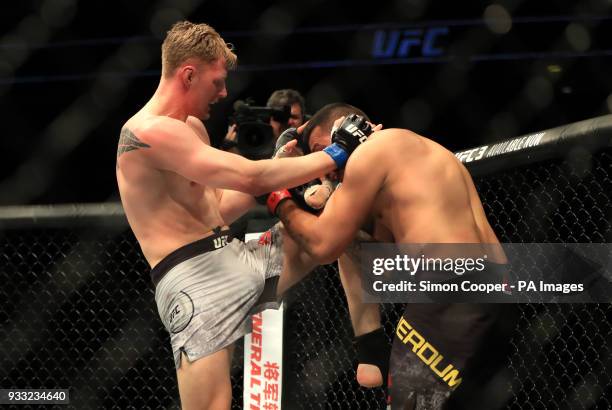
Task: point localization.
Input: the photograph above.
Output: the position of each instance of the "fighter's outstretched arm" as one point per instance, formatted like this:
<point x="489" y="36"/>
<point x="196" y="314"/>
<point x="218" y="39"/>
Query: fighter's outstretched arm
<point x="325" y="237"/>
<point x="173" y="146"/>
<point x="233" y="204"/>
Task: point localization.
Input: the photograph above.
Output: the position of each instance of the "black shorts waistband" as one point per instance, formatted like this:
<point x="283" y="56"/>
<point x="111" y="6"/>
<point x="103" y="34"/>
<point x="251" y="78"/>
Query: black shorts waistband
<point x="219" y="239"/>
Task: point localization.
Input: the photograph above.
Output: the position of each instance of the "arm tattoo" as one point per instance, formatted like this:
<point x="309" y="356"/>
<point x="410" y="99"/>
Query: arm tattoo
<point x="301" y="240"/>
<point x="128" y="142"/>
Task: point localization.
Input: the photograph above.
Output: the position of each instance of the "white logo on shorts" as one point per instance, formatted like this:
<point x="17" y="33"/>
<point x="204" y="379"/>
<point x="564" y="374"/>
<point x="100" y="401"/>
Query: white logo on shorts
<point x="220" y="242"/>
<point x="180" y="313"/>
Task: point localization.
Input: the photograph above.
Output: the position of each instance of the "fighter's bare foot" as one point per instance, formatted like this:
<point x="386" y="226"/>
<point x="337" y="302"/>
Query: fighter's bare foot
<point x="369" y="376"/>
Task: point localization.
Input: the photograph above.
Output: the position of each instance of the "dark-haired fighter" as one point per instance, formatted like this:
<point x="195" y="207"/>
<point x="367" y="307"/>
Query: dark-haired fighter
<point x="409" y="189"/>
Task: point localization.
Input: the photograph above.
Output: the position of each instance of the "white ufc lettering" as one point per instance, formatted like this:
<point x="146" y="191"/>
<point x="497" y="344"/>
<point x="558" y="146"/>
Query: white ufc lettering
<point x="220" y="242"/>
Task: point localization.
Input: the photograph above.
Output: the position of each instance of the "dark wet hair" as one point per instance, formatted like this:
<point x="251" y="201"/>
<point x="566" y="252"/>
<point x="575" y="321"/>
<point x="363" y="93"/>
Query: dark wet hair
<point x="325" y="118"/>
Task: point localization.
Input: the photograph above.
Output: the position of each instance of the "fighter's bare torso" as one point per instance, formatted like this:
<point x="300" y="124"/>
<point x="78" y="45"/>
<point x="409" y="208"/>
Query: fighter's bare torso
<point x="164" y="209"/>
<point x="427" y="195"/>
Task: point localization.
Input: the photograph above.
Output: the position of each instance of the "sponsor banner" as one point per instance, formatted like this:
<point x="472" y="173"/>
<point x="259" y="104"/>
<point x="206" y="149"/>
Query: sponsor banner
<point x="479" y="273"/>
<point x="500" y="148"/>
<point x="421" y="42"/>
<point x="263" y="358"/>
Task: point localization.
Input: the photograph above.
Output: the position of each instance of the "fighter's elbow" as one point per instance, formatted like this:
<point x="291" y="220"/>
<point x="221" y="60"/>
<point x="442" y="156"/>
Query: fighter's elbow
<point x="326" y="253"/>
<point x="252" y="181"/>
<point x="256" y="187"/>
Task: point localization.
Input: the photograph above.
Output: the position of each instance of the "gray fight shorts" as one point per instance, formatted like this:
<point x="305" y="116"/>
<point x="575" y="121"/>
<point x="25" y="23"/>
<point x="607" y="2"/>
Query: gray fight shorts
<point x="207" y="290"/>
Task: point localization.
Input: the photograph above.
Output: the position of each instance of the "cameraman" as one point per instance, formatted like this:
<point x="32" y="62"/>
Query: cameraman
<point x="291" y="98"/>
<point x="291" y="103"/>
<point x="279" y="100"/>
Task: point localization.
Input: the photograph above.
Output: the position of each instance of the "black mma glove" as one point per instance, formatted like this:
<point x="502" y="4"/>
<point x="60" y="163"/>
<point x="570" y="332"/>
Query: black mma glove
<point x="286" y="136"/>
<point x="299" y="193"/>
<point x="353" y="131"/>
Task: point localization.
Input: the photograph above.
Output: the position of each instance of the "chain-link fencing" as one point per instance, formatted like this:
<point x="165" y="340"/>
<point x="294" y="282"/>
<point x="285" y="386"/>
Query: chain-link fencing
<point x="78" y="308"/>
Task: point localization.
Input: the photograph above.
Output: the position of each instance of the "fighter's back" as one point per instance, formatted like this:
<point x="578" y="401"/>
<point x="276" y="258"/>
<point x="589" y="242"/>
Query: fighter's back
<point x="427" y="195"/>
<point x="165" y="210"/>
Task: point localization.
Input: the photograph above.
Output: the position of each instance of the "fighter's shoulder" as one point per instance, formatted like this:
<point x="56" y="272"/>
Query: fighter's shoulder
<point x="159" y="128"/>
<point x="379" y="147"/>
<point x="381" y="141"/>
<point x="198" y="126"/>
<point x="390" y="140"/>
<point x="383" y="136"/>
